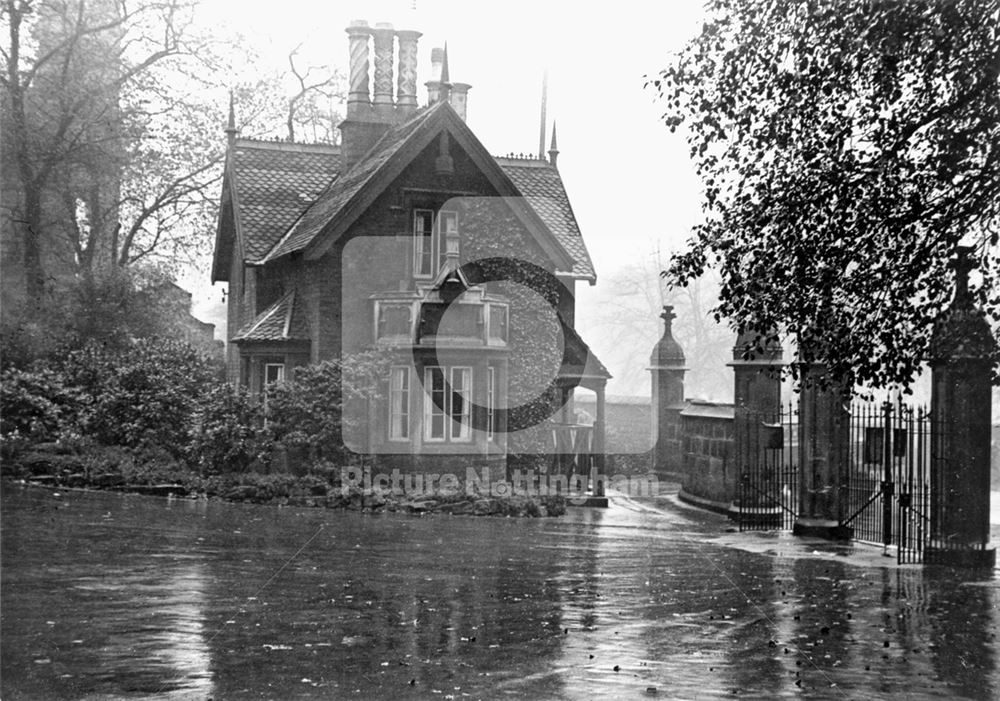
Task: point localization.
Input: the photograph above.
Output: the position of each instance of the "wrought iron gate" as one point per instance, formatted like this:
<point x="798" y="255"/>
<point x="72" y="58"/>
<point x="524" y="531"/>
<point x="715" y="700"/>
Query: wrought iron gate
<point x="767" y="494"/>
<point x="888" y="480"/>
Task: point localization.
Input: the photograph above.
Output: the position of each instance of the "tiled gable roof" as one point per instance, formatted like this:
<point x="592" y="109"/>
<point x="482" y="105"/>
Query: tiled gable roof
<point x="331" y="202"/>
<point x="275" y="183"/>
<point x="542" y="186"/>
<point x="282" y="321"/>
<point x="287" y="193"/>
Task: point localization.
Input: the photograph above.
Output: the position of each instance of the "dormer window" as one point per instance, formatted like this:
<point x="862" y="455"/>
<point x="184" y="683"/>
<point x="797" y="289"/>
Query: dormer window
<point x="430" y="233"/>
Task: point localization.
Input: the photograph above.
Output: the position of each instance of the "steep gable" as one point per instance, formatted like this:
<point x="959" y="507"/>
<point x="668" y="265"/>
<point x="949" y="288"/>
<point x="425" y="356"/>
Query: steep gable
<point x="284" y="196"/>
<point x="270" y="184"/>
<point x="356" y="190"/>
<point x="542" y="186"/>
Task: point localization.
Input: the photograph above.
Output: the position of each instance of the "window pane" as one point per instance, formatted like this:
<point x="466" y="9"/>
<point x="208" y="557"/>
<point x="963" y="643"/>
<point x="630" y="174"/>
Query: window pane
<point x="435" y="403"/>
<point x="491" y="398"/>
<point x="498" y="322"/>
<point x="394" y="320"/>
<point x="447" y="224"/>
<point x="399" y="403"/>
<point x="423" y="242"/>
<point x="461" y="387"/>
<point x="273" y="372"/>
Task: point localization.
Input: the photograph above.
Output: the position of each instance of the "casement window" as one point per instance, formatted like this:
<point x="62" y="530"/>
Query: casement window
<point x="430" y="232"/>
<point x="274" y="374"/>
<point x="399" y="403"/>
<point x="424" y="253"/>
<point x="447" y="224"/>
<point x="491" y="402"/>
<point x="498" y="323"/>
<point x="461" y="403"/>
<point x="447" y="410"/>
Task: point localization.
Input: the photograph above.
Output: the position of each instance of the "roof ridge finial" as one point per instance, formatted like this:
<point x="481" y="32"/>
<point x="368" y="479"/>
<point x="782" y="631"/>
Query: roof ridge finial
<point x="231" y="130"/>
<point x="554" y="147"/>
<point x="445" y="77"/>
<point x="445" y="94"/>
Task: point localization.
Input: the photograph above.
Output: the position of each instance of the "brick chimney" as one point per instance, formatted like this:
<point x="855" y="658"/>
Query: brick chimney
<point x="406" y="87"/>
<point x="358" y="98"/>
<point x="434" y="84"/>
<point x="460" y="98"/>
<point x="382" y="100"/>
<point x="370" y="115"/>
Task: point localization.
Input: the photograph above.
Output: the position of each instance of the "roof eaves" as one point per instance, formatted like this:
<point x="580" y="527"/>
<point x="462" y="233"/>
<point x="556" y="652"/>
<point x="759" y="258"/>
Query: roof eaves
<point x="262" y="317"/>
<point x="288" y="316"/>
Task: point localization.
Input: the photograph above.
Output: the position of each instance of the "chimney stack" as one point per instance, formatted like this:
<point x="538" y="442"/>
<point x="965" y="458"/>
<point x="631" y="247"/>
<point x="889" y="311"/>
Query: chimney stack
<point x="406" y="93"/>
<point x="460" y="98"/>
<point x="434" y="84"/>
<point x="382" y="99"/>
<point x="358" y="98"/>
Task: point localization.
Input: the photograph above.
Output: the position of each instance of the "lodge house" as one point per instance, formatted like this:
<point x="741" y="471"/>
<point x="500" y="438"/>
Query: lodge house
<point x="331" y="250"/>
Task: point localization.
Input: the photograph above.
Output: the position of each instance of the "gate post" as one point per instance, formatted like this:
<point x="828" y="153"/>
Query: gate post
<point x="824" y="447"/>
<point x="962" y="348"/>
<point x="666" y="365"/>
<point x="757" y="399"/>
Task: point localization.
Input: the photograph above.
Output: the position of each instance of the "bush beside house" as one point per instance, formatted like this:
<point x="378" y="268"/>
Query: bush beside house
<point x="152" y="417"/>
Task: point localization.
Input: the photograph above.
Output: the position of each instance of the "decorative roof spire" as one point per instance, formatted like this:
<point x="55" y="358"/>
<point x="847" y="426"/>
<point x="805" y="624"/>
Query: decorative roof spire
<point x="445" y="78"/>
<point x="554" y="147"/>
<point x="445" y="91"/>
<point x="231" y="130"/>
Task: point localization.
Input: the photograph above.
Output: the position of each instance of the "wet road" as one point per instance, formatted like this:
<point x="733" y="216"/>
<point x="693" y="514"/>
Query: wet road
<point x="110" y="596"/>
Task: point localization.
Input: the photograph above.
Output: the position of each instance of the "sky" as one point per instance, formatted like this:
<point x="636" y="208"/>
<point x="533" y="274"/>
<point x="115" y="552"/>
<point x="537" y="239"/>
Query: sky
<point x="630" y="181"/>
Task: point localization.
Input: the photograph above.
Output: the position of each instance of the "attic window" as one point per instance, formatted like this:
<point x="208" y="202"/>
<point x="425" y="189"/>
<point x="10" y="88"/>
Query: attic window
<point x="430" y="233"/>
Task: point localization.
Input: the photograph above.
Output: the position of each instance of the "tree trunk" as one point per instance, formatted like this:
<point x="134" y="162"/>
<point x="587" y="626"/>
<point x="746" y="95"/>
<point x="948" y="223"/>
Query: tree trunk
<point x="34" y="274"/>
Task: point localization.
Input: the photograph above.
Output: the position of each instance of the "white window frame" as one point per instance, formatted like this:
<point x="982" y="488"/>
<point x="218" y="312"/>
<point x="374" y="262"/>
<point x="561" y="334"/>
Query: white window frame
<point x="490" y="337"/>
<point x="266" y="385"/>
<point x="431" y="409"/>
<point x="419" y="238"/>
<point x="399" y="403"/>
<point x="491" y="399"/>
<point x="453" y="431"/>
<point x="441" y="222"/>
<point x="281" y="374"/>
<point x="463" y="423"/>
<point x="443" y="218"/>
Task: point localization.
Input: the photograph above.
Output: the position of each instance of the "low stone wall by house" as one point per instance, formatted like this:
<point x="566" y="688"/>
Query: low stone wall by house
<point x="707" y="443"/>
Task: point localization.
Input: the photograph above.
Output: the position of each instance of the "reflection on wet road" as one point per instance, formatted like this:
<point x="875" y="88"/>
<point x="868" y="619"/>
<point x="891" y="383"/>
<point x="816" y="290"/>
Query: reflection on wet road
<point x="105" y="596"/>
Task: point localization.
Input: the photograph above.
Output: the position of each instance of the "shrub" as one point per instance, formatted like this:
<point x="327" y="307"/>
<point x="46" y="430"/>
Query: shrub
<point x="35" y="404"/>
<point x="142" y="396"/>
<point x="228" y="433"/>
<point x="308" y="410"/>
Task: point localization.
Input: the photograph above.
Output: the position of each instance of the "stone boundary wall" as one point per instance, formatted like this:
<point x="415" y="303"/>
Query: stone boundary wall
<point x="707" y="442"/>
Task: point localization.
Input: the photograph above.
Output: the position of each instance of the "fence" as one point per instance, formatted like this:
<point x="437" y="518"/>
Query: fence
<point x="885" y="487"/>
<point x="767" y="494"/>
